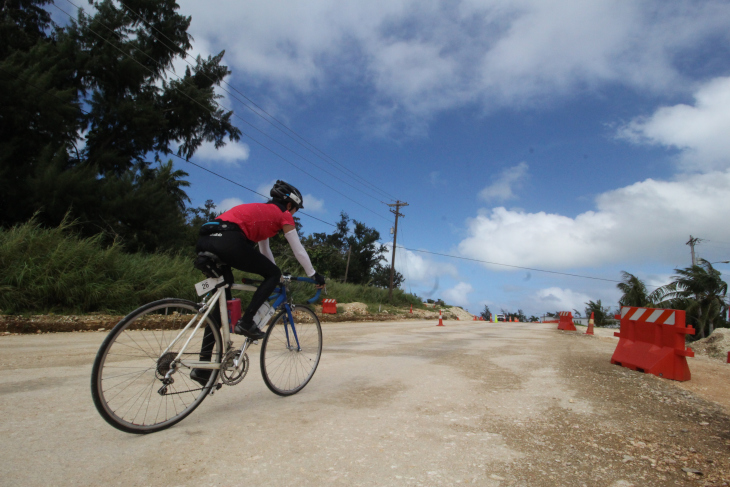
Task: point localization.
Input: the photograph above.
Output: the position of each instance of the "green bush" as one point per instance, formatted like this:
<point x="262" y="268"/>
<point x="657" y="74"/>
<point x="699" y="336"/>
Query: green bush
<point x="55" y="270"/>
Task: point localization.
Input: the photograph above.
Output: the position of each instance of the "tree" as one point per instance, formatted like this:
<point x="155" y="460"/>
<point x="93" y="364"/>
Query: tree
<point x="700" y="291"/>
<point x="328" y="252"/>
<point x="89" y="114"/>
<point x="602" y="314"/>
<point x="381" y="277"/>
<point x="486" y="314"/>
<point x="365" y="254"/>
<point x="634" y="291"/>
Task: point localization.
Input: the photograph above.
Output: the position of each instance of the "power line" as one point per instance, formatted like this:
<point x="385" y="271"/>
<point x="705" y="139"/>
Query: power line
<point x="289" y="132"/>
<point x="206" y="108"/>
<point x="509" y="265"/>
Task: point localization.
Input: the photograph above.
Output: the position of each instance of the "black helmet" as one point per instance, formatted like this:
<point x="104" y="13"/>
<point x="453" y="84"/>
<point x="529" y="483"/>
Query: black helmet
<point x="287" y="193"/>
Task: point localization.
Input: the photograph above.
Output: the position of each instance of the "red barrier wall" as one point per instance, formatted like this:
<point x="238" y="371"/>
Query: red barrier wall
<point x="566" y="321"/>
<point x="653" y="341"/>
<point x="329" y="306"/>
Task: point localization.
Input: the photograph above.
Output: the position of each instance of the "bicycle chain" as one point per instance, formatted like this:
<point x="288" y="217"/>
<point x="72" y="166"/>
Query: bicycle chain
<point x="182" y="392"/>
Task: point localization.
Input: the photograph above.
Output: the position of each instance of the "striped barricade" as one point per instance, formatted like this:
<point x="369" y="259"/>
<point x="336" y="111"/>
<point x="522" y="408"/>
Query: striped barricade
<point x="329" y="306"/>
<point x="566" y="321"/>
<point x="653" y="341"/>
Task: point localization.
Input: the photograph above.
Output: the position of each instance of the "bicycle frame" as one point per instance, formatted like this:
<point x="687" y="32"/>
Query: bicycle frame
<point x="279" y="297"/>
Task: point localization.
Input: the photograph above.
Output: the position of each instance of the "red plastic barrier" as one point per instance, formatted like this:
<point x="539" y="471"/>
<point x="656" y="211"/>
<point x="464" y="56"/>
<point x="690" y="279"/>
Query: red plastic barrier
<point x="566" y="321"/>
<point x="329" y="306"/>
<point x="653" y="341"/>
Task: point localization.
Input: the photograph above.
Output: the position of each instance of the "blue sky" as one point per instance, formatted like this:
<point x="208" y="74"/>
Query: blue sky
<point x="569" y="136"/>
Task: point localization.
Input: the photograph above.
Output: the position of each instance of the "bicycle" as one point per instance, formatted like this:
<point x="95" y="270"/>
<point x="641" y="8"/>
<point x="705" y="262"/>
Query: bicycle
<point x="140" y="380"/>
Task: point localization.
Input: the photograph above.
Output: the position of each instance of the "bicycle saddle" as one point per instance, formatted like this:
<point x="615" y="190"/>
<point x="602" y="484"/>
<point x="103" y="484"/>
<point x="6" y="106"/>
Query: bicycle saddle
<point x="212" y="266"/>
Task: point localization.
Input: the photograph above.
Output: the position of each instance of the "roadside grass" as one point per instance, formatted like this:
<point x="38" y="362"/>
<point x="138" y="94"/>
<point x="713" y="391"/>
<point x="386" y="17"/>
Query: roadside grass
<point x="54" y="270"/>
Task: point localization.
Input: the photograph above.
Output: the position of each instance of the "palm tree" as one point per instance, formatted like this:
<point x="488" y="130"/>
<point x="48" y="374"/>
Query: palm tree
<point x="601" y="314"/>
<point x="698" y="290"/>
<point x="634" y="290"/>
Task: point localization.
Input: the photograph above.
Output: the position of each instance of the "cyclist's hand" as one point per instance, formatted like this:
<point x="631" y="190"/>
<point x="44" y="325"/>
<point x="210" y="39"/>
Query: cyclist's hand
<point x="319" y="280"/>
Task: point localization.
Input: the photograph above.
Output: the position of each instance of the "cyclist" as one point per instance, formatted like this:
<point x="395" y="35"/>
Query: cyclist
<point x="233" y="235"/>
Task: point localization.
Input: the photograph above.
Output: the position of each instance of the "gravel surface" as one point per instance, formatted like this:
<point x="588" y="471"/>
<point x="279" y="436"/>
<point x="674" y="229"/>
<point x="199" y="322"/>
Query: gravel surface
<point x="397" y="403"/>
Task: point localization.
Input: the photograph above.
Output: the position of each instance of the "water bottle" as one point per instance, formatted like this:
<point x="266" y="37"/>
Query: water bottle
<point x="263" y="315"/>
<point x="234" y="312"/>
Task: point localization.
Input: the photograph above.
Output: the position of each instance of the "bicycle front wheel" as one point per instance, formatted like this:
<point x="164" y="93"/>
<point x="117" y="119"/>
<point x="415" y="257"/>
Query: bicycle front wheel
<point x="126" y="379"/>
<point x="290" y="351"/>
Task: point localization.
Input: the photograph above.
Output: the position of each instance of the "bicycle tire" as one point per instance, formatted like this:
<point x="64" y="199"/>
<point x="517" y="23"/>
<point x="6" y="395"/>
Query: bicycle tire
<point x="129" y="367"/>
<point x="286" y="369"/>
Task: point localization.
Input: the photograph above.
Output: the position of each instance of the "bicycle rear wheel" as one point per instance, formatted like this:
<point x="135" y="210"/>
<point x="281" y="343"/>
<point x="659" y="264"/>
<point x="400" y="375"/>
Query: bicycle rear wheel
<point x="126" y="378"/>
<point x="287" y="365"/>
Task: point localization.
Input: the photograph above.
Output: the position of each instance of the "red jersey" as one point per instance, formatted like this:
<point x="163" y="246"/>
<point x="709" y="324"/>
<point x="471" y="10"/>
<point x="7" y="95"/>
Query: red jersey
<point x="258" y="221"/>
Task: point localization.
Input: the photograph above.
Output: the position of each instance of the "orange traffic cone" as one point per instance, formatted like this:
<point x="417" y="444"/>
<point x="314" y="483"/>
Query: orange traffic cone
<point x="441" y="321"/>
<point x="475" y="318"/>
<point x="589" y="331"/>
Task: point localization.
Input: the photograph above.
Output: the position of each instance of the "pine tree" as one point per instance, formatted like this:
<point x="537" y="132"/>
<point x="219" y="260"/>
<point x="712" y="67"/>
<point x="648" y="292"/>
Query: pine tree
<point x="90" y="112"/>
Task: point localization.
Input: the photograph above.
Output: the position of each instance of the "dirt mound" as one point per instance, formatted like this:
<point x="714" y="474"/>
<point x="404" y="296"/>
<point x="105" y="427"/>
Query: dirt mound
<point x="716" y="345"/>
<point x="462" y="314"/>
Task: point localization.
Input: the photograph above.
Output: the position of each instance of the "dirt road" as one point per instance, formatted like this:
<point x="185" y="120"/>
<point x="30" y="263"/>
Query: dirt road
<point x="391" y="404"/>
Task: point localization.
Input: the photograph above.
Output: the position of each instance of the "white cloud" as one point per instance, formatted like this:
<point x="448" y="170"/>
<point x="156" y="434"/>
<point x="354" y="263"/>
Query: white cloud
<point x="458" y="295"/>
<point x="264" y="188"/>
<point x="502" y="188"/>
<point x="227" y="204"/>
<point x="230" y="154"/>
<point x="558" y="299"/>
<point x="416" y="269"/>
<point x="648" y="220"/>
<point x="419" y="58"/>
<point x="701" y="132"/>
<point x="312" y="204"/>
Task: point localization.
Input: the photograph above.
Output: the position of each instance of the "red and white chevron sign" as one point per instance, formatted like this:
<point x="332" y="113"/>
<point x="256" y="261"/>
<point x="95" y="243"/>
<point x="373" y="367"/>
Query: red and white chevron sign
<point x="644" y="315"/>
<point x="565" y="313"/>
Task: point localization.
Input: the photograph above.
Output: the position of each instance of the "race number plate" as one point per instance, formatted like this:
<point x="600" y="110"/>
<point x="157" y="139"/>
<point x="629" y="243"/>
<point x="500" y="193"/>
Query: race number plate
<point x="204" y="287"/>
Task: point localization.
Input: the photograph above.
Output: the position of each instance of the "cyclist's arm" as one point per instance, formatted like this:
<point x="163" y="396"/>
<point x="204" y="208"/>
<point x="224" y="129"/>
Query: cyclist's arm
<point x="266" y="250"/>
<point x="292" y="237"/>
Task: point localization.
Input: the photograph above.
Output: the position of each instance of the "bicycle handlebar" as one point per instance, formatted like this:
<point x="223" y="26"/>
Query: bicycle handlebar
<point x="312" y="281"/>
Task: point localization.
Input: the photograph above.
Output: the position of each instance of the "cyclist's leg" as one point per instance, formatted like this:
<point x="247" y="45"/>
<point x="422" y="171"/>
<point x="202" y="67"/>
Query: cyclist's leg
<point x="237" y="251"/>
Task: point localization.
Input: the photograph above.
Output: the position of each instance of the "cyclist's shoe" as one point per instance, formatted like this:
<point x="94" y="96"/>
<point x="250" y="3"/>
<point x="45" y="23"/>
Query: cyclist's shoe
<point x="249" y="330"/>
<point x="200" y="375"/>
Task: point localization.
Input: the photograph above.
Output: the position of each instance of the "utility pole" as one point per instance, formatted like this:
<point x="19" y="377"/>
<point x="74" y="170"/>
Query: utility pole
<point x="692" y="242"/>
<point x="347" y="268"/>
<point x="397" y="213"/>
